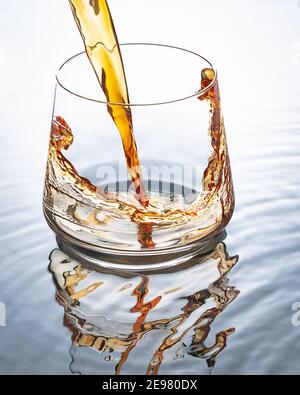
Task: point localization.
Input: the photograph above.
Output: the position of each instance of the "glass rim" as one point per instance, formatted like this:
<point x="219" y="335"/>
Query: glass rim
<point x="200" y="92"/>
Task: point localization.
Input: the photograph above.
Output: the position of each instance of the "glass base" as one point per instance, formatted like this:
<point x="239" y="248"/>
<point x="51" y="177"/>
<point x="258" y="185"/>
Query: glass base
<point x="140" y="261"/>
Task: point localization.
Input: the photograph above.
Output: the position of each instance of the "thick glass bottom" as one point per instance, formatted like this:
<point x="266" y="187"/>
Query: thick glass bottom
<point x="133" y="260"/>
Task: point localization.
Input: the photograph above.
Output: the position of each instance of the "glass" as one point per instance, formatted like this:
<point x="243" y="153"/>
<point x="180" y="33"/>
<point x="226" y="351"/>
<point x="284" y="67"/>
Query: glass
<point x="89" y="199"/>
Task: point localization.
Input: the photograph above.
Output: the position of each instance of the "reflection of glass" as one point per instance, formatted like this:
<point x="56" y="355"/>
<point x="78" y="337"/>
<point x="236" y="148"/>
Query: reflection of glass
<point x="144" y="324"/>
<point x="89" y="200"/>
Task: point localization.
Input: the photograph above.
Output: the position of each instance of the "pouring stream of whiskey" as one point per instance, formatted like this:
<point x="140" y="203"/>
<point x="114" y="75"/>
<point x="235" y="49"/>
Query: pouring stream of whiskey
<point x="96" y="27"/>
<point x="206" y="216"/>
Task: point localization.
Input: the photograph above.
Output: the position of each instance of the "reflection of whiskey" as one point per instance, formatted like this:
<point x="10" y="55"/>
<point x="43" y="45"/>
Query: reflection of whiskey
<point x="171" y="320"/>
<point x="96" y="26"/>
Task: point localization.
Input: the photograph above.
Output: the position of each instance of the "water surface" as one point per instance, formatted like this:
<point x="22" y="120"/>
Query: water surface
<point x="236" y="321"/>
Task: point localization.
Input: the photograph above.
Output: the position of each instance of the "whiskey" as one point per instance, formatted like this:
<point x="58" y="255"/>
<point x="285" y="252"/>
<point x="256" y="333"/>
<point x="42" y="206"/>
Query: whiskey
<point x="97" y="30"/>
<point x="148" y="219"/>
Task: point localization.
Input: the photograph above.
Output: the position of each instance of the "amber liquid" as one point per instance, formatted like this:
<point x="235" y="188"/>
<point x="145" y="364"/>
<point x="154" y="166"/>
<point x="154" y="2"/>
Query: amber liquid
<point x="75" y="284"/>
<point x="97" y="30"/>
<point x="74" y="199"/>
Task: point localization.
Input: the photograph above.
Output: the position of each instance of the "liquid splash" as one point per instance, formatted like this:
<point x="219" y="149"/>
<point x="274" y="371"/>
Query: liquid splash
<point x="72" y="199"/>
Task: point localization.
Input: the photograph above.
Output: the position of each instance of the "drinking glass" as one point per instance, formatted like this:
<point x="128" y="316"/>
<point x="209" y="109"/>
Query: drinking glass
<point x="89" y="199"/>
